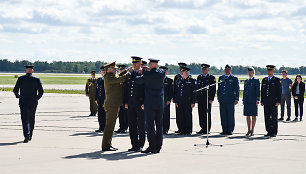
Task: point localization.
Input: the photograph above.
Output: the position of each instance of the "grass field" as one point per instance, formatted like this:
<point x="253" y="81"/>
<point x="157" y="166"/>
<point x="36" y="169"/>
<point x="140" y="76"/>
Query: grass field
<point x="57" y="91"/>
<point x="71" y="79"/>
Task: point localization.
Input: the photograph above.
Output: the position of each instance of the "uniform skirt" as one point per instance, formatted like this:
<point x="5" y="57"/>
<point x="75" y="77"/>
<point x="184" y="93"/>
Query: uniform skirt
<point x="250" y="109"/>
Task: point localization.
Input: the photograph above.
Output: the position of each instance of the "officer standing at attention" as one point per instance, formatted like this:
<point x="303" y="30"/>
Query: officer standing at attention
<point x="100" y="97"/>
<point x="29" y="90"/>
<point x="271" y="92"/>
<point x="176" y="80"/>
<point x="185" y="100"/>
<point x="134" y="99"/>
<point x="168" y="95"/>
<point x="251" y="98"/>
<point x="228" y="97"/>
<point x="90" y="91"/>
<point x="113" y="101"/>
<point x="123" y="117"/>
<point x="153" y="81"/>
<point x="203" y="80"/>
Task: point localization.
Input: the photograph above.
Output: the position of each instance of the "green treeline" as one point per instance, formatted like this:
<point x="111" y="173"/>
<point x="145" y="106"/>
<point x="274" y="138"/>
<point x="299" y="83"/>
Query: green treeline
<point x="86" y="67"/>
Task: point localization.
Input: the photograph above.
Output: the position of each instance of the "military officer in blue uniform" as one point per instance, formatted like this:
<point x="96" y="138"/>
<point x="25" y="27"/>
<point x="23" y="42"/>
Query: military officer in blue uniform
<point x="29" y="90"/>
<point x="177" y="78"/>
<point x="271" y="92"/>
<point x="205" y="79"/>
<point x="153" y="81"/>
<point x="100" y="97"/>
<point x="133" y="100"/>
<point x="251" y="98"/>
<point x="168" y="95"/>
<point x="228" y="97"/>
<point x="185" y="100"/>
<point x="123" y="117"/>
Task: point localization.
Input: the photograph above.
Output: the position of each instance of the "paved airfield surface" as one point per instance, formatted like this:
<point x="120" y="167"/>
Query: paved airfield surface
<point x="64" y="141"/>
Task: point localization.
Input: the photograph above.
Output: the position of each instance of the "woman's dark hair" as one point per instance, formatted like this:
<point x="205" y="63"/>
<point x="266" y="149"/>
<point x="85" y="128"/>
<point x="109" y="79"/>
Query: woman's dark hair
<point x="299" y="75"/>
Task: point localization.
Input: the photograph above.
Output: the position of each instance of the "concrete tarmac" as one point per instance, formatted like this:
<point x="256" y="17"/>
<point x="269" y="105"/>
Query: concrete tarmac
<point x="64" y="141"/>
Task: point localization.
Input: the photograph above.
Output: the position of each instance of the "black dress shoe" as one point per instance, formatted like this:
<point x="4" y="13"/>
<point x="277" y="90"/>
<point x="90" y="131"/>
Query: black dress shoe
<point x="273" y="135"/>
<point x="181" y="133"/>
<point x="187" y="133"/>
<point x="134" y="149"/>
<point x="178" y="131"/>
<point x="165" y="132"/>
<point x="267" y="135"/>
<point x="223" y="133"/>
<point x="148" y="150"/>
<point x="98" y="130"/>
<point x="229" y="133"/>
<point x="296" y="119"/>
<point x="281" y="119"/>
<point x="109" y="149"/>
<point x="288" y="119"/>
<point x="26" y="140"/>
<point x="301" y="119"/>
<point x="200" y="132"/>
<point x="118" y="131"/>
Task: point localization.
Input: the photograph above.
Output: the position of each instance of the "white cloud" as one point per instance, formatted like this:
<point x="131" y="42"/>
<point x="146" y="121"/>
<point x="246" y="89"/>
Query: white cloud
<point x="231" y="31"/>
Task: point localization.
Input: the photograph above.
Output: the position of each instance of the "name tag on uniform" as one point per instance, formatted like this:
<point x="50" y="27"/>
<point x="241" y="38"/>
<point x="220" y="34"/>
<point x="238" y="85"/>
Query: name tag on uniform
<point x="188" y="82"/>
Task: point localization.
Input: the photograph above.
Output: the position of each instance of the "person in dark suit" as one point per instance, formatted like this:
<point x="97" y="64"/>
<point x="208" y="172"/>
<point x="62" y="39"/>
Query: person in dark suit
<point x="133" y="100"/>
<point x="251" y="99"/>
<point x="271" y="92"/>
<point x="29" y="90"/>
<point x="123" y="117"/>
<point x="298" y="90"/>
<point x="168" y="95"/>
<point x="177" y="78"/>
<point x="153" y="81"/>
<point x="203" y="80"/>
<point x="185" y="100"/>
<point x="228" y="97"/>
<point x="100" y="97"/>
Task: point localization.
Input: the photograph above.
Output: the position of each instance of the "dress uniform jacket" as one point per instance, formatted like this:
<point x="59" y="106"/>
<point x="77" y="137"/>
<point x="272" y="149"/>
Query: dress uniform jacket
<point x="153" y="81"/>
<point x="203" y="81"/>
<point x="90" y="90"/>
<point x="168" y="95"/>
<point x="100" y="97"/>
<point x="29" y="90"/>
<point x="251" y="95"/>
<point x="271" y="92"/>
<point x="113" y="101"/>
<point x="228" y="93"/>
<point x="177" y="78"/>
<point x="184" y="98"/>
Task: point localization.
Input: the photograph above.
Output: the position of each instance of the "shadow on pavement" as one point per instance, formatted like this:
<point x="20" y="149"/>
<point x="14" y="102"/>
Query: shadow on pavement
<point x="109" y="155"/>
<point x="10" y="144"/>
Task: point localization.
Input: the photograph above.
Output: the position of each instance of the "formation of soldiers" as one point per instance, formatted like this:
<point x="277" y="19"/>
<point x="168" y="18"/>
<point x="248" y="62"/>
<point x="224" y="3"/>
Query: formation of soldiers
<point x="141" y="97"/>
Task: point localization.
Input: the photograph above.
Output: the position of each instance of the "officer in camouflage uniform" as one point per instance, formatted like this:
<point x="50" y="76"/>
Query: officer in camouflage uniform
<point x="90" y="91"/>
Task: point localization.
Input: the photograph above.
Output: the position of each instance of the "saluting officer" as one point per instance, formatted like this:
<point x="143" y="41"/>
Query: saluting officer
<point x="168" y="95"/>
<point x="177" y="78"/>
<point x="113" y="101"/>
<point x="203" y="80"/>
<point x="228" y="97"/>
<point x="29" y="90"/>
<point x="271" y="92"/>
<point x="185" y="100"/>
<point x="134" y="99"/>
<point x="90" y="91"/>
<point x="153" y="81"/>
<point x="100" y="97"/>
<point x="123" y="117"/>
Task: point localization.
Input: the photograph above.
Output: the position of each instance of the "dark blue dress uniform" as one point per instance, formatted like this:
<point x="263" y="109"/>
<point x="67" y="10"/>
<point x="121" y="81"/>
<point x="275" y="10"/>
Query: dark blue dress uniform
<point x="100" y="97"/>
<point x="271" y="92"/>
<point x="123" y="115"/>
<point x="202" y="81"/>
<point x="168" y="95"/>
<point x="184" y="98"/>
<point x="251" y="95"/>
<point x="134" y="98"/>
<point x="176" y="80"/>
<point x="153" y="81"/>
<point x="228" y="93"/>
<point x="31" y="91"/>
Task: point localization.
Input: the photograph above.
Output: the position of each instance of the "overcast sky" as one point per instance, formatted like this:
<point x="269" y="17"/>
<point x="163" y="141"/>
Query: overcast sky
<point x="217" y="32"/>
